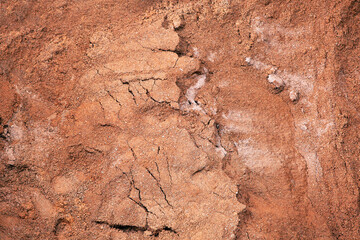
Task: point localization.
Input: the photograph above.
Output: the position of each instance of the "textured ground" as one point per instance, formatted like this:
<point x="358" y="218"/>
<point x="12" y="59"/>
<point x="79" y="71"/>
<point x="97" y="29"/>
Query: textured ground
<point x="216" y="119"/>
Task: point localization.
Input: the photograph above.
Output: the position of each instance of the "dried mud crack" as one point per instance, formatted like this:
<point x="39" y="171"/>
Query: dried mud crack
<point x="128" y="228"/>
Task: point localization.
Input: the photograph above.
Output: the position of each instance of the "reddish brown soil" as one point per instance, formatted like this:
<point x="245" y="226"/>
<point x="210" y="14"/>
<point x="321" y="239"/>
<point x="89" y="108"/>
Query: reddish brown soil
<point x="216" y="119"/>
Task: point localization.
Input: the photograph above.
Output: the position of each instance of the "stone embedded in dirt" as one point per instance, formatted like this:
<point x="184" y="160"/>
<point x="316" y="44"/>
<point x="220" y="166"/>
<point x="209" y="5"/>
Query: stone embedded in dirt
<point x="176" y="20"/>
<point x="276" y="81"/>
<point x="294" y="95"/>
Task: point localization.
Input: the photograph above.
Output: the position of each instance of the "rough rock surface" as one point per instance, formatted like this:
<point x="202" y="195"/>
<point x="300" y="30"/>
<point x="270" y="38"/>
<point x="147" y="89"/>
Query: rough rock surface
<point x="179" y="119"/>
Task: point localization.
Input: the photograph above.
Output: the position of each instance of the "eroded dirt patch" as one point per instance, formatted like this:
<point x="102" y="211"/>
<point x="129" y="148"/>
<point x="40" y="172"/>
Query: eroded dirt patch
<point x="179" y="120"/>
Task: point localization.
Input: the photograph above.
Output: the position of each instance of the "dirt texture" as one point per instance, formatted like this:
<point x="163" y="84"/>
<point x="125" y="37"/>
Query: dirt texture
<point x="209" y="119"/>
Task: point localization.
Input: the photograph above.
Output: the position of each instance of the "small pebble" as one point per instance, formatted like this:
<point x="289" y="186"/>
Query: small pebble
<point x="148" y="233"/>
<point x="294" y="95"/>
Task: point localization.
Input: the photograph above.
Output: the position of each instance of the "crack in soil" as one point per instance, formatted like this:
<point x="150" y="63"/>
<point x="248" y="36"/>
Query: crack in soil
<point x="133" y="228"/>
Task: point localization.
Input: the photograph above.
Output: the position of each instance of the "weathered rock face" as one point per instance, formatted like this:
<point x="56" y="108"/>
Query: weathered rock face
<point x="179" y="120"/>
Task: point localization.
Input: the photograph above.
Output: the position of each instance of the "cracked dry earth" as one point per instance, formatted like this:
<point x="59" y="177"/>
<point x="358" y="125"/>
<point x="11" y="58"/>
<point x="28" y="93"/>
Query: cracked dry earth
<point x="179" y="119"/>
